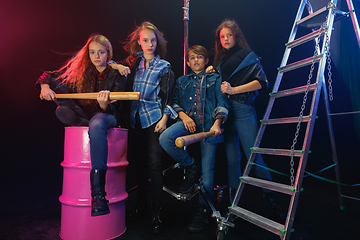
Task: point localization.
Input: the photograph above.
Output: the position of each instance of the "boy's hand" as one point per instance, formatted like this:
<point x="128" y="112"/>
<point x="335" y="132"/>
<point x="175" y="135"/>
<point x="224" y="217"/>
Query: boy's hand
<point x="189" y="124"/>
<point x="216" y="128"/>
<point x="210" y="69"/>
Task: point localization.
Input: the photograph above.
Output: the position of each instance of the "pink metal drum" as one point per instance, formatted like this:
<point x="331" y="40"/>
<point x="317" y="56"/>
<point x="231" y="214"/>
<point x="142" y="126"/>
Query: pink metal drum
<point x="76" y="220"/>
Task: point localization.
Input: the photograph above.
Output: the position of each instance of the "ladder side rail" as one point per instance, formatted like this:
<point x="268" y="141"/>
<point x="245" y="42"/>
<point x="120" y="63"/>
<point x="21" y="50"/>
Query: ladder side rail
<point x="333" y="146"/>
<point x="309" y="130"/>
<point x="302" y="164"/>
<point x="354" y="20"/>
<point x="291" y="38"/>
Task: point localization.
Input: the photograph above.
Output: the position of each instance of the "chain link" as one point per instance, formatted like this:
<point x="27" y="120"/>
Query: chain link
<point x="327" y="53"/>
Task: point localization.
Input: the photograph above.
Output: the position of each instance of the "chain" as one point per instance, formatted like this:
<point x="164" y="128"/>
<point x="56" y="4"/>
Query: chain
<point x="327" y="52"/>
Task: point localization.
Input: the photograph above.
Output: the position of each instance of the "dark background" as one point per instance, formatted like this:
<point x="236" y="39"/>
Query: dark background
<point x="41" y="35"/>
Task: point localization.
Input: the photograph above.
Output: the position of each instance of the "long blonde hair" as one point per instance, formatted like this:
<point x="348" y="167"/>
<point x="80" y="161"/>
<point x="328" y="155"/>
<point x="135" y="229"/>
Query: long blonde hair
<point x="132" y="46"/>
<point x="79" y="72"/>
<point x="220" y="52"/>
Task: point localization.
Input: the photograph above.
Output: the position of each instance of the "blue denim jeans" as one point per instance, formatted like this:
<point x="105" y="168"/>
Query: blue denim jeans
<point x="208" y="154"/>
<point x="242" y="125"/>
<point x="99" y="124"/>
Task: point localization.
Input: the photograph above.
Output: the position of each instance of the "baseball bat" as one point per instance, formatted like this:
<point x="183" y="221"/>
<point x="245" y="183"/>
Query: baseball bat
<point x="190" y="139"/>
<point x="112" y="96"/>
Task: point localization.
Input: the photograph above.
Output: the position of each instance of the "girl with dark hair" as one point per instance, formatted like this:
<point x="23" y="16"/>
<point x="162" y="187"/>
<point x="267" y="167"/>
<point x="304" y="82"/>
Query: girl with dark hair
<point x="242" y="77"/>
<point x="86" y="72"/>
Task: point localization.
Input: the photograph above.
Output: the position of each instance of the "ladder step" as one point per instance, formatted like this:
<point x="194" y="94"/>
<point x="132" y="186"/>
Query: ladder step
<point x="286" y="120"/>
<point x="278" y="187"/>
<point x="292" y="91"/>
<point x="278" y="152"/>
<point x="301" y="63"/>
<point x="306" y="38"/>
<point x="258" y="220"/>
<point x="318" y="18"/>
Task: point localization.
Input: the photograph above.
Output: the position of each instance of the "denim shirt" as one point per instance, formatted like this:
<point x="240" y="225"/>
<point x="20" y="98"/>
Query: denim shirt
<point x="146" y="82"/>
<point x="214" y="103"/>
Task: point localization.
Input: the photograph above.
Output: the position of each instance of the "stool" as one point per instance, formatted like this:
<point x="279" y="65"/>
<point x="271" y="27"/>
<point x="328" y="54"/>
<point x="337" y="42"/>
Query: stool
<point x="76" y="220"/>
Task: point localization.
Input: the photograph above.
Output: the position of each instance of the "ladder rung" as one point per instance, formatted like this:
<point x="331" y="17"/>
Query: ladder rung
<point x="300" y="63"/>
<point x="318" y="18"/>
<point x="278" y="187"/>
<point x="258" y="220"/>
<point x="278" y="152"/>
<point x="286" y="120"/>
<point x="315" y="19"/>
<point x="292" y="91"/>
<point x="305" y="38"/>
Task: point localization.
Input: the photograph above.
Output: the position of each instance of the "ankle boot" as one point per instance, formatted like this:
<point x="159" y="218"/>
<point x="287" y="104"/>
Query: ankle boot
<point x="200" y="219"/>
<point x="99" y="204"/>
<point x="276" y="209"/>
<point x="156" y="223"/>
<point x="188" y="183"/>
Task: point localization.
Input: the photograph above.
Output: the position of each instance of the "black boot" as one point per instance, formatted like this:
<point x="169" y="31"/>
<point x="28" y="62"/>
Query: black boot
<point x="99" y="204"/>
<point x="190" y="177"/>
<point x="200" y="220"/>
<point x="156" y="223"/>
<point x="276" y="209"/>
<point x="69" y="116"/>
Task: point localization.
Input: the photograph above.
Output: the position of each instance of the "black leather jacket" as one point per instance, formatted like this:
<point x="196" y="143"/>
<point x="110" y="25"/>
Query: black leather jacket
<point x="113" y="82"/>
<point x="248" y="69"/>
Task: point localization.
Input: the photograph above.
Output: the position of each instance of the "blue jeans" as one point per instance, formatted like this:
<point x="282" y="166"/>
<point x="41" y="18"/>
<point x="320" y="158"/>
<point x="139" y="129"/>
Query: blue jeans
<point x="99" y="124"/>
<point x="208" y="152"/>
<point x="242" y="124"/>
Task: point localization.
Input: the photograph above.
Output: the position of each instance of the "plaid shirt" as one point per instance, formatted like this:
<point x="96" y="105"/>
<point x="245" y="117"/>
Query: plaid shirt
<point x="146" y="81"/>
<point x="195" y="111"/>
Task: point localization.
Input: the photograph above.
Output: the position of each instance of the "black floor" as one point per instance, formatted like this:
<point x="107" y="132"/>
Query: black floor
<point x="33" y="212"/>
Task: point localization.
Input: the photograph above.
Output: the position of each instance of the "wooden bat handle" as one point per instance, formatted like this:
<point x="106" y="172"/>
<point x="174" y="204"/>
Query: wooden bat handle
<point x="112" y="96"/>
<point x="190" y="139"/>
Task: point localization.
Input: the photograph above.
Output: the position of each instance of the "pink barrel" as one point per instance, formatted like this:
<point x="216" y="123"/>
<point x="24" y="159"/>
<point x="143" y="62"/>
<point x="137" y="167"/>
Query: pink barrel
<point x="76" y="220"/>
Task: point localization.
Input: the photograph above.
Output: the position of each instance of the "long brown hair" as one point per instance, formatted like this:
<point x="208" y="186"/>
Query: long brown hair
<point x="132" y="46"/>
<point x="220" y="52"/>
<point x="79" y="72"/>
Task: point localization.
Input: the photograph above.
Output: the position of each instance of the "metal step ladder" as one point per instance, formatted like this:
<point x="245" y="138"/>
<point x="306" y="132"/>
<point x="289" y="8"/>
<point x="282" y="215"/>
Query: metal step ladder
<point x="321" y="25"/>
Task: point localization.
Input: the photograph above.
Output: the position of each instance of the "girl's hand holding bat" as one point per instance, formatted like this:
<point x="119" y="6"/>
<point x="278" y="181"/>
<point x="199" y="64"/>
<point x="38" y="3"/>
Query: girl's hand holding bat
<point x="103" y="99"/>
<point x="47" y="93"/>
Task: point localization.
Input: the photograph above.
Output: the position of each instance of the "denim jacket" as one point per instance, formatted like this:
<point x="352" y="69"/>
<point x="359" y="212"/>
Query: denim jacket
<point x="214" y="103"/>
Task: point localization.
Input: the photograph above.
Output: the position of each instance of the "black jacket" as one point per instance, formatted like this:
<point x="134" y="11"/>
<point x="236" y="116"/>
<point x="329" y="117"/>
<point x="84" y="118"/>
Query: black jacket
<point x="248" y="68"/>
<point x="113" y="82"/>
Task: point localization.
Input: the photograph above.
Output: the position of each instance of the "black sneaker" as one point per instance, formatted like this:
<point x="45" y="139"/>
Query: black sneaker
<point x="188" y="183"/>
<point x="200" y="220"/>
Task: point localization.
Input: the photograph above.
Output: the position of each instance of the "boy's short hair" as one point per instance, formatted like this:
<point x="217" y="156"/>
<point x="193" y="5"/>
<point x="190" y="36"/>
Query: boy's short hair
<point x="197" y="49"/>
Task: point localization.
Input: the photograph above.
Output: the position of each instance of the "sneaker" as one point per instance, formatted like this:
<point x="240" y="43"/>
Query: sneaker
<point x="200" y="220"/>
<point x="188" y="183"/>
